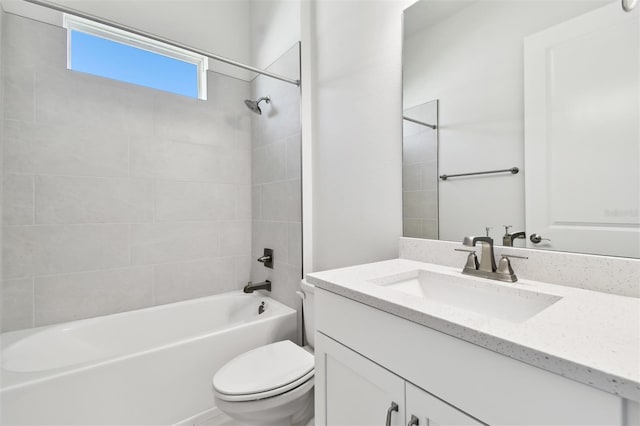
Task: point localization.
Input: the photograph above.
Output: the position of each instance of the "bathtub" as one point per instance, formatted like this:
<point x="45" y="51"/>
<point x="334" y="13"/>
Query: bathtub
<point x="147" y="367"/>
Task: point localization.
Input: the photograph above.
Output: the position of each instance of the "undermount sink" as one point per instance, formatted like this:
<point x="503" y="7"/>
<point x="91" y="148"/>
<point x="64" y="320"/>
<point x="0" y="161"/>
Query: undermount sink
<point x="504" y="301"/>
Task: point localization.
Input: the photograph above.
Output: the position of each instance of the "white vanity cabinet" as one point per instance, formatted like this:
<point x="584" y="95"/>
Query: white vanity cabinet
<point x="358" y="392"/>
<point x="424" y="409"/>
<point x="367" y="358"/>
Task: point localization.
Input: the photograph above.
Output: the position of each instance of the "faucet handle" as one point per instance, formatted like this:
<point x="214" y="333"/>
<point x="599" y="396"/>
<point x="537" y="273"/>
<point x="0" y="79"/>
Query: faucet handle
<point x="472" y="259"/>
<point x="504" y="267"/>
<point x="506" y="229"/>
<point x="487" y="228"/>
<point x="507" y="256"/>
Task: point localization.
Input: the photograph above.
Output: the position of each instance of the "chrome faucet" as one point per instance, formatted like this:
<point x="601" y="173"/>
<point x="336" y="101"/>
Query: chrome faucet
<point x="487" y="267"/>
<point x="251" y="287"/>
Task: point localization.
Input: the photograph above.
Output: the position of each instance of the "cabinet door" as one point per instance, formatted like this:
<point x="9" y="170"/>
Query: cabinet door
<point x="430" y="411"/>
<point x="352" y="390"/>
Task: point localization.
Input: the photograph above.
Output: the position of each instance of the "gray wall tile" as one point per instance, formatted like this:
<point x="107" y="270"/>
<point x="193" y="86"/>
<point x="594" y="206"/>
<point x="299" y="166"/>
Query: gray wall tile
<point x="96" y="102"/>
<point x="186" y="201"/>
<point x="294" y="243"/>
<point x="173" y="242"/>
<point x="19" y="93"/>
<point x="235" y="238"/>
<point x="44" y="249"/>
<point x="196" y="121"/>
<point x="242" y="266"/>
<point x="17" y="207"/>
<point x="286" y="281"/>
<point x="181" y="281"/>
<point x="153" y="157"/>
<point x="269" y="163"/>
<point x="64" y="150"/>
<point x="243" y="202"/>
<point x="294" y="159"/>
<point x="92" y="200"/>
<point x="84" y="295"/>
<point x="256" y="202"/>
<point x="29" y="43"/>
<point x="282" y="201"/>
<point x="17" y="304"/>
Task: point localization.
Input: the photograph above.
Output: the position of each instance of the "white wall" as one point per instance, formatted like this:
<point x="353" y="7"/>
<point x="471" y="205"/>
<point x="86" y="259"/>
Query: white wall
<point x="357" y="152"/>
<point x="481" y="112"/>
<point x="275" y="27"/>
<point x="1" y="139"/>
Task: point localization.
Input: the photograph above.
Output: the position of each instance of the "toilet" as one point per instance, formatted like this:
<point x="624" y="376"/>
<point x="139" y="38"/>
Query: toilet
<point x="272" y="384"/>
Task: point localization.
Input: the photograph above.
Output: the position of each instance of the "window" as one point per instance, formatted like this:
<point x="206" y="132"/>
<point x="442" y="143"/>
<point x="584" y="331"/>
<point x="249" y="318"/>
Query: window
<point x="112" y="53"/>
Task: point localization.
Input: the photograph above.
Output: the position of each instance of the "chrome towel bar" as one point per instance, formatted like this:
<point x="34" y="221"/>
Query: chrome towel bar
<point x="512" y="170"/>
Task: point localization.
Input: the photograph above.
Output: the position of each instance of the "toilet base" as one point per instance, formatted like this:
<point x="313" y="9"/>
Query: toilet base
<point x="293" y="408"/>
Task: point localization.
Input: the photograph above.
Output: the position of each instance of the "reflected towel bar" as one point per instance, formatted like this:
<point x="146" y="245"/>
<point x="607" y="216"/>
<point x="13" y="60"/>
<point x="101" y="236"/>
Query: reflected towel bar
<point x="422" y="123"/>
<point x="513" y="171"/>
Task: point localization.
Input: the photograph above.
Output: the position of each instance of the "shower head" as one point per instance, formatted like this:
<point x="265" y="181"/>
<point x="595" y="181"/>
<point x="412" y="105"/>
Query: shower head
<point x="254" y="105"/>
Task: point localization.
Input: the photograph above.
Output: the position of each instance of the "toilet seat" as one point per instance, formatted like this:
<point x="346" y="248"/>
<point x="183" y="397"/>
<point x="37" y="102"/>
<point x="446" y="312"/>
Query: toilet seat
<point x="264" y="372"/>
<point x="267" y="394"/>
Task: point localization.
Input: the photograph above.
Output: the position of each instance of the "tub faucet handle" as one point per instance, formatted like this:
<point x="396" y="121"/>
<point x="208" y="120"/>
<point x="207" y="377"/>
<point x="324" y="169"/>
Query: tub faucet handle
<point x="267" y="258"/>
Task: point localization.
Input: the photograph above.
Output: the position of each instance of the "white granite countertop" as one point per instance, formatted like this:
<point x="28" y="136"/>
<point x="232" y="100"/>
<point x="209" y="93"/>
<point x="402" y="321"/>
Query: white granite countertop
<point x="587" y="336"/>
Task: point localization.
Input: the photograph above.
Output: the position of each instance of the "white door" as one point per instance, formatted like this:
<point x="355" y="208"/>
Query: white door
<point x="424" y="409"/>
<point x="582" y="136"/>
<point x="354" y="391"/>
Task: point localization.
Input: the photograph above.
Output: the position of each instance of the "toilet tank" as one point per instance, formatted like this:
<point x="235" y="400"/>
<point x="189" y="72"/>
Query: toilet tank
<point x="308" y="312"/>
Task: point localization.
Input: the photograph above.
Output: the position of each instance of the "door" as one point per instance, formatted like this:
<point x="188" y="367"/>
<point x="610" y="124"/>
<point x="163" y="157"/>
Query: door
<point x="423" y="409"/>
<point x="582" y="94"/>
<point x="354" y="391"/>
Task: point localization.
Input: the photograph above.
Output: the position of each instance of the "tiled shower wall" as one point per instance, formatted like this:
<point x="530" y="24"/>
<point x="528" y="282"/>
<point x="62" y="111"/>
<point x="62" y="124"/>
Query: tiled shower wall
<point x="420" y="173"/>
<point x="276" y="185"/>
<point x="116" y="196"/>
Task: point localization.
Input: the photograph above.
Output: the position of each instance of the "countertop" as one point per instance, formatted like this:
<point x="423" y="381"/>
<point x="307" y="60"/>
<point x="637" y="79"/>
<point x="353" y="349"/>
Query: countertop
<point x="587" y="336"/>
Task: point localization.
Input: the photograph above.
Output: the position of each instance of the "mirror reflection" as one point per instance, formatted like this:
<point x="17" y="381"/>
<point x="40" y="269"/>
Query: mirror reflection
<point x="536" y="111"/>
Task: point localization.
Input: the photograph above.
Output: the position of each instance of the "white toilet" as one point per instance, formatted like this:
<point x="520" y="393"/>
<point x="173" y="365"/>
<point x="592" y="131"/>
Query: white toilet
<point x="272" y="384"/>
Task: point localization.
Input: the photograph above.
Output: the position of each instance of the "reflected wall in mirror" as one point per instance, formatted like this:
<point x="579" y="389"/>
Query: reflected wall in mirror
<point x="420" y="171"/>
<point x="552" y="88"/>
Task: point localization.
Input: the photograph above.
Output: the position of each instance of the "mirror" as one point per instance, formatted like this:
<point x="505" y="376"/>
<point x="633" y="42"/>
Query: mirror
<point x="534" y="109"/>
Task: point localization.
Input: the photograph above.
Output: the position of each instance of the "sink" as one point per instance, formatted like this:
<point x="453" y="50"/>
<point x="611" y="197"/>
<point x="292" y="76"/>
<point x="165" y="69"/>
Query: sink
<point x="504" y="301"/>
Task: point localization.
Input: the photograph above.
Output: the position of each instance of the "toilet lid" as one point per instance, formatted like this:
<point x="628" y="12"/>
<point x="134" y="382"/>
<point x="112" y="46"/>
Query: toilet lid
<point x="263" y="369"/>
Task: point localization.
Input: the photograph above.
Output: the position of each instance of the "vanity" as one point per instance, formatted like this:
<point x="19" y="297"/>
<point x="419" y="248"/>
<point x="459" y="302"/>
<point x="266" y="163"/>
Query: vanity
<point x="406" y="342"/>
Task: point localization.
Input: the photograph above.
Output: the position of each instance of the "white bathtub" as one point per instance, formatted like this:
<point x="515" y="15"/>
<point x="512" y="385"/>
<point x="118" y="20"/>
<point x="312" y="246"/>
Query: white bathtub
<point x="147" y="367"/>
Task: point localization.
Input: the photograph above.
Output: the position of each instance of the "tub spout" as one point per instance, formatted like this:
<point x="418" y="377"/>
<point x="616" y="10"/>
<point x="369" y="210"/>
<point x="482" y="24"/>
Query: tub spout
<point x="251" y="287"/>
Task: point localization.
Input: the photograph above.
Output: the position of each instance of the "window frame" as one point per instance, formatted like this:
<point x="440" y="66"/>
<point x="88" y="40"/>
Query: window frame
<point x="74" y="23"/>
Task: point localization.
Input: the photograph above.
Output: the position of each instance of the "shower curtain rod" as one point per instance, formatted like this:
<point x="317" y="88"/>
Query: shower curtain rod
<point x="70" y="11"/>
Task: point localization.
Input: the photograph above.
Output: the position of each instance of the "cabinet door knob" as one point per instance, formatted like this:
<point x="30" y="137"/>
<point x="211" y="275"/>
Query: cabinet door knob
<point x="392" y="408"/>
<point x="414" y="421"/>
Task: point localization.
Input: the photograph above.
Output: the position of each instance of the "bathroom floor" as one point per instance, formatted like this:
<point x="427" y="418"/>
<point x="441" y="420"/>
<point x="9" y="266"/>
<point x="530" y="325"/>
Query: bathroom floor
<point x="221" y="419"/>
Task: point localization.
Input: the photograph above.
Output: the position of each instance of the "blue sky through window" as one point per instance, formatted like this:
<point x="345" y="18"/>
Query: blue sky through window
<point x="107" y="58"/>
